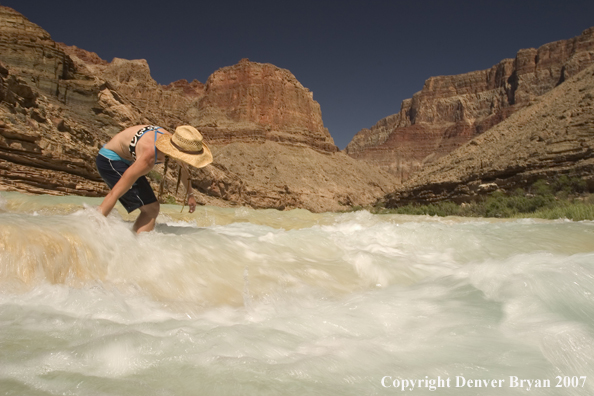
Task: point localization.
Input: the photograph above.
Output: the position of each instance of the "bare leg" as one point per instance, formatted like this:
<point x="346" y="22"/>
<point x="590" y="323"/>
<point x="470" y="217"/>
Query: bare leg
<point x="147" y="218"/>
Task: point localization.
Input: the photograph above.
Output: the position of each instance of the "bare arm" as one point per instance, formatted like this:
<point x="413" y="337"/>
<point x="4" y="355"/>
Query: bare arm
<point x="140" y="167"/>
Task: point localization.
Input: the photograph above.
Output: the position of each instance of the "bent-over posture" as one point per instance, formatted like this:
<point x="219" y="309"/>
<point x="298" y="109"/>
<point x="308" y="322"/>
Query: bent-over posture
<point x="125" y="160"/>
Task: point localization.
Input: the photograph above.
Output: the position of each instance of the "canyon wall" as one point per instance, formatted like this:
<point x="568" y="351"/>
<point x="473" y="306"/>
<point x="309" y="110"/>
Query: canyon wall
<point x="59" y="104"/>
<point x="256" y="102"/>
<point x="132" y="80"/>
<point x="45" y="146"/>
<point x="451" y="110"/>
<point x="553" y="136"/>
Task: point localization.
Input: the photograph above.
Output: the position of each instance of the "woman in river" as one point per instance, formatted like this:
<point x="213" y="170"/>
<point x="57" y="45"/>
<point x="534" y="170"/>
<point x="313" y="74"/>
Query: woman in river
<point x="132" y="153"/>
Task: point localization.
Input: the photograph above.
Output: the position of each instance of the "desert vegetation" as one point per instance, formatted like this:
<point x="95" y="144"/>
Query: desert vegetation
<point x="564" y="197"/>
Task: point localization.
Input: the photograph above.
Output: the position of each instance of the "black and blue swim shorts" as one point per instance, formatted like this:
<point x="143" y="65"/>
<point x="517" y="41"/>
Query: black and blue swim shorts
<point x="141" y="192"/>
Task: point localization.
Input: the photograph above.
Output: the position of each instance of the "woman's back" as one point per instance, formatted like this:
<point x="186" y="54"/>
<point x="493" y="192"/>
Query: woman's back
<point x="120" y="143"/>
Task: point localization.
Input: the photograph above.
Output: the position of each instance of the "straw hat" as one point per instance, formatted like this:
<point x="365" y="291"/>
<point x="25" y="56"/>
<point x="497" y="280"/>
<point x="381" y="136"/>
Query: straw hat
<point x="186" y="145"/>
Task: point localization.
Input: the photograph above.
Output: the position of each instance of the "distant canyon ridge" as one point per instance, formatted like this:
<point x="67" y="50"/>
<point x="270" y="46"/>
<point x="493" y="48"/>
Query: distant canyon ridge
<point x="451" y="110"/>
<point x="59" y="104"/>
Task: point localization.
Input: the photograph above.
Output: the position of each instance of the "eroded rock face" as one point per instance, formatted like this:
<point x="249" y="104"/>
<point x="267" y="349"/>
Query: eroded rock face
<point x="43" y="146"/>
<point x="273" y="175"/>
<point x="27" y="47"/>
<point x="553" y="136"/>
<point x="40" y="151"/>
<point x="55" y="112"/>
<point x="257" y="102"/>
<point x="60" y="104"/>
<point x="451" y="110"/>
<point x="131" y="84"/>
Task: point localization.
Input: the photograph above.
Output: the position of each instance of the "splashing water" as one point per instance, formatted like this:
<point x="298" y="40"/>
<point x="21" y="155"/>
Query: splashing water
<point x="246" y="302"/>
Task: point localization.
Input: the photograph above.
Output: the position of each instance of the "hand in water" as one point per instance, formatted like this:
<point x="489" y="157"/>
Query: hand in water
<point x="94" y="213"/>
<point x="192" y="204"/>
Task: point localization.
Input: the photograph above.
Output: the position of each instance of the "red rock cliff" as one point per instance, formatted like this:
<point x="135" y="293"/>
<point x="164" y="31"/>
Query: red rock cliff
<point x="255" y="102"/>
<point x="451" y="110"/>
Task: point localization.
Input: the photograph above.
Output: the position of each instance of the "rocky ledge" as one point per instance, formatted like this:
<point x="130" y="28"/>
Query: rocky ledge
<point x="551" y="137"/>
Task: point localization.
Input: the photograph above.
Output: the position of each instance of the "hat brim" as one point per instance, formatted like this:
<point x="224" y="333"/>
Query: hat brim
<point x="196" y="160"/>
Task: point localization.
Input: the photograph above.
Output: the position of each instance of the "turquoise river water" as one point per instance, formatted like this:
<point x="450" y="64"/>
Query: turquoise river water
<point x="261" y="302"/>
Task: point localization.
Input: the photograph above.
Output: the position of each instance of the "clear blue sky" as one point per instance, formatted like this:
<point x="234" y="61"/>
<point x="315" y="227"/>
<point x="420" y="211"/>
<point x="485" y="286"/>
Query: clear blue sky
<point x="359" y="58"/>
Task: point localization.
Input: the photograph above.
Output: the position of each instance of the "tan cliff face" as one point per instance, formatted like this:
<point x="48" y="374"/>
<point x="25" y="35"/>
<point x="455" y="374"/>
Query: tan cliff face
<point x="26" y="46"/>
<point x="132" y="80"/>
<point x="45" y="145"/>
<point x="451" y="110"/>
<point x="60" y="104"/>
<point x="551" y="137"/>
<point x="253" y="101"/>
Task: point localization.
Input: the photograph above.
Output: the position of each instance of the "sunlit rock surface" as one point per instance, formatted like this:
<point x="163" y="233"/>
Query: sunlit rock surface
<point x="451" y="110"/>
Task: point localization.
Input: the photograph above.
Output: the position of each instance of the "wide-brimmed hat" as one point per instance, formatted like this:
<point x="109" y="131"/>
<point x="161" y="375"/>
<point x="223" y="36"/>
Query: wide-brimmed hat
<point x="186" y="145"/>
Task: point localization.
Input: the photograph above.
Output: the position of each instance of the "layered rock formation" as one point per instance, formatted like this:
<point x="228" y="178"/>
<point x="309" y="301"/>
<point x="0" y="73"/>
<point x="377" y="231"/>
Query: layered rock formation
<point x="132" y="80"/>
<point x="451" y="110"/>
<point x="256" y="102"/>
<point x="59" y="104"/>
<point x="29" y="48"/>
<point x="551" y="137"/>
<point x="42" y="149"/>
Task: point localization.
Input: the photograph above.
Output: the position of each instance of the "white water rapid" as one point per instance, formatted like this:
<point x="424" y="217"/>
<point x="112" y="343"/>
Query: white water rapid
<point x="261" y="302"/>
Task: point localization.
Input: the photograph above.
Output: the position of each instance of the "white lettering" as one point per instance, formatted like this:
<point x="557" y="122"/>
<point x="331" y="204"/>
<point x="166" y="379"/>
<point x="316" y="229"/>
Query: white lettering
<point x="527" y="384"/>
<point x="432" y="384"/>
<point x="405" y="384"/>
<point x="546" y="384"/>
<point x="396" y="383"/>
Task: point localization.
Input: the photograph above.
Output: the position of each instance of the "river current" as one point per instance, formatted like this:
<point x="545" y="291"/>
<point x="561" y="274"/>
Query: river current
<point x="235" y="301"/>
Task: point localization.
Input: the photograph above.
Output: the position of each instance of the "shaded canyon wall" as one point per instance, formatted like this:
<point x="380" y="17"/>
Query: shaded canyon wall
<point x="451" y="110"/>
